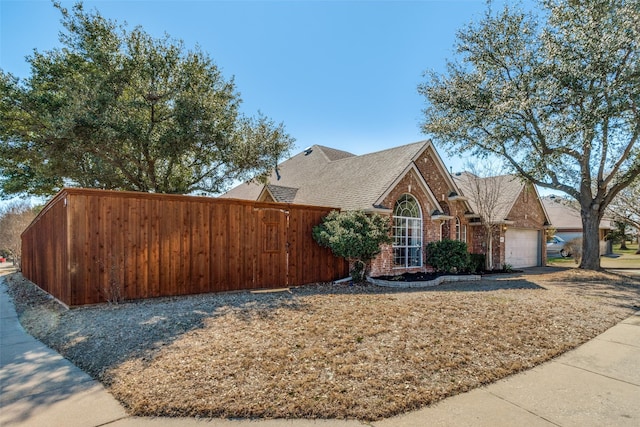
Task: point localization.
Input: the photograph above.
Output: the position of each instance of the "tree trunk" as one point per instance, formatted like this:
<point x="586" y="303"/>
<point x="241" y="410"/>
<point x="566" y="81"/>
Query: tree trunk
<point x="590" y="240"/>
<point x="488" y="257"/>
<point x="638" y="241"/>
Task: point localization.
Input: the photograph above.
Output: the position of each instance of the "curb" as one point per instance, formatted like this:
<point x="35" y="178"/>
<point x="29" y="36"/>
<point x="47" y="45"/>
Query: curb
<point x="424" y="284"/>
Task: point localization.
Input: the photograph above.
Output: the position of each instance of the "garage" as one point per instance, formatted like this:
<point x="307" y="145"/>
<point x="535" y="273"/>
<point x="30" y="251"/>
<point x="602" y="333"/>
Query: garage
<point x="522" y="247"/>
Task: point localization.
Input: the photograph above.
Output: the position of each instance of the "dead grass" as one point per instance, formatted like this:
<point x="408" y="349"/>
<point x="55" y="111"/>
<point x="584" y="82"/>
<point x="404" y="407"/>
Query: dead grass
<point x="334" y="351"/>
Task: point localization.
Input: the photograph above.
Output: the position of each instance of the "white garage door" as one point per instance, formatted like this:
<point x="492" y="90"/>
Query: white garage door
<point x="522" y="247"/>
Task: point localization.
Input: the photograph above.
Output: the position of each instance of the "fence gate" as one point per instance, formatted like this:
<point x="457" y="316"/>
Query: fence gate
<point x="273" y="256"/>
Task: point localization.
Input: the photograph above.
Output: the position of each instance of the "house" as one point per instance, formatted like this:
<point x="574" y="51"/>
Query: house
<point x="516" y="214"/>
<point x="567" y="222"/>
<point x="409" y="183"/>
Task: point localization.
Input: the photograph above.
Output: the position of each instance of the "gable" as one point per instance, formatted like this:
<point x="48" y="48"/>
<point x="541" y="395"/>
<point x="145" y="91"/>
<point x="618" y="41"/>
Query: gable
<point x="411" y="182"/>
<point x="440" y="182"/>
<point x="527" y="210"/>
<point x="278" y="193"/>
<point x="492" y="196"/>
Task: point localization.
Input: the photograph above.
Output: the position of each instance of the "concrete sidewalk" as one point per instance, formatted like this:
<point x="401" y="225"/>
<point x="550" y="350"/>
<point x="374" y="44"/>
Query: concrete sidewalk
<point x="597" y="384"/>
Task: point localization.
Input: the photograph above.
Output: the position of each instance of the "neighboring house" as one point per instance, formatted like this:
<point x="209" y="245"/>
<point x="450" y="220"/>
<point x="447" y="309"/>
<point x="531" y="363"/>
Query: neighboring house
<point x="517" y="214"/>
<point x="409" y="183"/>
<point x="567" y="222"/>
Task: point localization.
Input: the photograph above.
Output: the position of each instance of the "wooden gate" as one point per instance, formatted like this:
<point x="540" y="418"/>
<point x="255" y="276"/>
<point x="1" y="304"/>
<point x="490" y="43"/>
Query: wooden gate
<point x="273" y="261"/>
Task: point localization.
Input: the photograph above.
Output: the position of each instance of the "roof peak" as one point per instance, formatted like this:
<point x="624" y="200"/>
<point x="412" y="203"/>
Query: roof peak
<point x="375" y="153"/>
<point x="332" y="154"/>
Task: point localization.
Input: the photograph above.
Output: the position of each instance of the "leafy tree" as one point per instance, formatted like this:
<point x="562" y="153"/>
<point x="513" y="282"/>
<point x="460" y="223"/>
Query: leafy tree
<point x="448" y="256"/>
<point x="554" y="95"/>
<point x="118" y="109"/>
<point x="355" y="236"/>
<point x="625" y="207"/>
<point x="14" y="219"/>
<point x="619" y="234"/>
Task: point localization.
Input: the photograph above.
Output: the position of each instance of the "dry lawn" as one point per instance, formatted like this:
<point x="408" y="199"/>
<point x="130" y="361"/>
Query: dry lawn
<point x="327" y="351"/>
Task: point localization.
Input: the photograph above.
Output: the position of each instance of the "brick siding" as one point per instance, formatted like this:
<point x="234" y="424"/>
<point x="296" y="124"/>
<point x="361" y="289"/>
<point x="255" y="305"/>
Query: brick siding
<point x="410" y="184"/>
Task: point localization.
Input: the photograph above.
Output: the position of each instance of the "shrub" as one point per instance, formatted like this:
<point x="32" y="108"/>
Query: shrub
<point x="355" y="236"/>
<point x="574" y="248"/>
<point x="477" y="263"/>
<point x="448" y="256"/>
<point x="507" y="267"/>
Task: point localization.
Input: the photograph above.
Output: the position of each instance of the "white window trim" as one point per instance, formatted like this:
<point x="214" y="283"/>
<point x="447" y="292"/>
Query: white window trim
<point x="408" y="225"/>
<point x="461" y="231"/>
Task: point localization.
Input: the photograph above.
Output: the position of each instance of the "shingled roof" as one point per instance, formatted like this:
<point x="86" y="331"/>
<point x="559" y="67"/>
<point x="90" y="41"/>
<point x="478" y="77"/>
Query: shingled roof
<point x="329" y="177"/>
<point x="282" y="194"/>
<point x="509" y="187"/>
<point x="563" y="215"/>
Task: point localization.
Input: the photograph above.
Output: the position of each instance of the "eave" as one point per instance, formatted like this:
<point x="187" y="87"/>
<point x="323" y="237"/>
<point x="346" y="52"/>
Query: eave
<point x="379" y="210"/>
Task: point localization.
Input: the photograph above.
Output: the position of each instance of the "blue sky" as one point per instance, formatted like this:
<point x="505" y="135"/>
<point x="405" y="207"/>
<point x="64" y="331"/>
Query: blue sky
<point x="338" y="73"/>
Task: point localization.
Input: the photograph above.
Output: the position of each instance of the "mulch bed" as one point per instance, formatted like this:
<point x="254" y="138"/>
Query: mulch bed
<point x="425" y="277"/>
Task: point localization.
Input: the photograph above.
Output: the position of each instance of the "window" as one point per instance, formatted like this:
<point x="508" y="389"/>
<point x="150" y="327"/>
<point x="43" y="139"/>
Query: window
<point x="461" y="231"/>
<point x="407" y="233"/>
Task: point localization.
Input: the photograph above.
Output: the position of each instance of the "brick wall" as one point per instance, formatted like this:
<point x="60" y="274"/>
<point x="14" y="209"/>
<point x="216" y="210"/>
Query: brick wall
<point x="527" y="212"/>
<point x="410" y="184"/>
<point x="480" y="243"/>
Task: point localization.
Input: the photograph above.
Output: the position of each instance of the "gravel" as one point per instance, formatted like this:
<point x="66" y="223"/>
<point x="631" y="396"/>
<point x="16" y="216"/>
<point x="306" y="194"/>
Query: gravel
<point x="326" y="350"/>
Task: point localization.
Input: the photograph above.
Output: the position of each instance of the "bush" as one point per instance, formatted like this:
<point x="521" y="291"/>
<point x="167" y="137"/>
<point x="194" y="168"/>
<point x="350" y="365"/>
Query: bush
<point x="448" y="256"/>
<point x="574" y="248"/>
<point x="477" y="263"/>
<point x="355" y="236"/>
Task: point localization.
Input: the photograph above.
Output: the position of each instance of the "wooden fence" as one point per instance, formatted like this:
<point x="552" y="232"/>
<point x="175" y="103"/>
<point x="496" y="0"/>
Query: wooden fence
<point x="90" y="246"/>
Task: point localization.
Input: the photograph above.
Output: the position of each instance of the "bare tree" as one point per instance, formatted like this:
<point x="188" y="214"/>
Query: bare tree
<point x="14" y="219"/>
<point x="488" y="193"/>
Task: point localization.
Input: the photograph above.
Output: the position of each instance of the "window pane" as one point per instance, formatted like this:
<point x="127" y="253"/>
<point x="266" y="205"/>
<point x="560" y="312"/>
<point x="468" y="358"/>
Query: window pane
<point x="399" y="258"/>
<point x="414" y="257"/>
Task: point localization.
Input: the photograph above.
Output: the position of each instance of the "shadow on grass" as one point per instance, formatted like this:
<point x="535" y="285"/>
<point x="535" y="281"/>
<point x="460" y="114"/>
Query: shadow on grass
<point x="98" y="337"/>
<point x="615" y="289"/>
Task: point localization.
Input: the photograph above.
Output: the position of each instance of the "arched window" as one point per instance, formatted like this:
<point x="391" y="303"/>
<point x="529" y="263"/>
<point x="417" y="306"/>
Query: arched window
<point x="458" y="235"/>
<point x="407" y="233"/>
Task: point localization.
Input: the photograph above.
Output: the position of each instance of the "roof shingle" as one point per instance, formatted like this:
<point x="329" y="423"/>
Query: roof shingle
<point x="507" y="187"/>
<point x="329" y="177"/>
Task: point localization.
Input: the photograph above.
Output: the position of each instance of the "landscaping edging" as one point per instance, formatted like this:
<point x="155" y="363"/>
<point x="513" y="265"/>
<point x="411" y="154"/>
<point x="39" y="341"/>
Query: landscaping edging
<point x="424" y="284"/>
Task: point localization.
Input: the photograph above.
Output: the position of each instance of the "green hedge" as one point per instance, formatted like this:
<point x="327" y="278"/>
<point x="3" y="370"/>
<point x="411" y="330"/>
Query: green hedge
<point x="477" y="263"/>
<point x="448" y="256"/>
